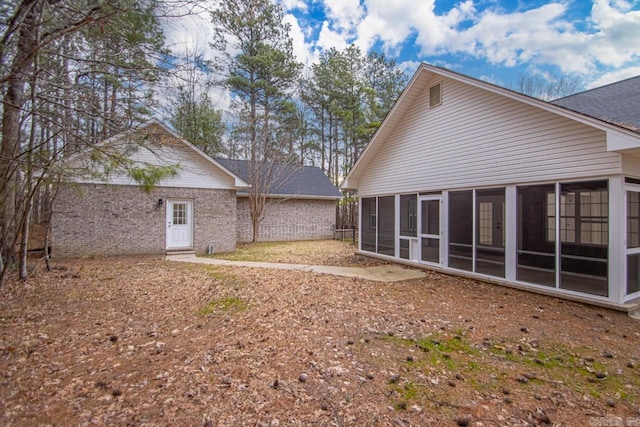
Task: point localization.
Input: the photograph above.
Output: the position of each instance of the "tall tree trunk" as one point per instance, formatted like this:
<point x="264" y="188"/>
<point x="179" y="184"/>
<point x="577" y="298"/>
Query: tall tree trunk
<point x="13" y="102"/>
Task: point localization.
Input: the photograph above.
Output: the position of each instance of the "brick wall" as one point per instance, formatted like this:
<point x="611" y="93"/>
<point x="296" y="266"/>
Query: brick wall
<point x="98" y="219"/>
<point x="291" y="219"/>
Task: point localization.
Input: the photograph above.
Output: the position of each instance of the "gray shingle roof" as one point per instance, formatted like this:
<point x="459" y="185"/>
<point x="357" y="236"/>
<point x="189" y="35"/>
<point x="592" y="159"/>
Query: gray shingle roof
<point x="617" y="103"/>
<point x="291" y="180"/>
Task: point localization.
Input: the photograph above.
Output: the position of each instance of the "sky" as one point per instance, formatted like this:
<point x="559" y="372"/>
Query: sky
<point x="597" y="41"/>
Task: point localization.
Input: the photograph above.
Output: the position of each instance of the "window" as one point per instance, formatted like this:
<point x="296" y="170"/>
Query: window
<point x="583" y="217"/>
<point x="179" y="214"/>
<point x="408" y="215"/>
<point x="486" y="223"/>
<point x="633" y="219"/>
<point x="435" y="95"/>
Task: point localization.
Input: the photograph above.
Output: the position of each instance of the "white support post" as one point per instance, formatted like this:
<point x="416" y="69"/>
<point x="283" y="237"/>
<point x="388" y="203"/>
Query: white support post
<point x="511" y="232"/>
<point x="617" y="236"/>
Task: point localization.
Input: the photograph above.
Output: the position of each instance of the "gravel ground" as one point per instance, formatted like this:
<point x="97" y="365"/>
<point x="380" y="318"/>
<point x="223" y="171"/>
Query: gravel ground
<point x="141" y="342"/>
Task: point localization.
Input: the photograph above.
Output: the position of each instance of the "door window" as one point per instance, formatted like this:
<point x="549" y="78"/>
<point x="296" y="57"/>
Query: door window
<point x="179" y="214"/>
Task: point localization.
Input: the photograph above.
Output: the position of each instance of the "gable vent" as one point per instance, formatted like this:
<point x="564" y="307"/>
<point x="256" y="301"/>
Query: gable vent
<point x="435" y="95"/>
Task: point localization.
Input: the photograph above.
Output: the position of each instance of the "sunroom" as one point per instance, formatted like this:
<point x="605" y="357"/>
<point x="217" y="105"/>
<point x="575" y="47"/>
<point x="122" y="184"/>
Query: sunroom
<point x="580" y="238"/>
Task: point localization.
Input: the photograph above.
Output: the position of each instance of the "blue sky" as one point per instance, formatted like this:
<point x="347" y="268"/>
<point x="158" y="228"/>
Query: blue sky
<point x="597" y="41"/>
<point x="495" y="40"/>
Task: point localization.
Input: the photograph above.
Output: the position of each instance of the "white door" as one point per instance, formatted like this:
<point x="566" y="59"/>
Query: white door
<point x="179" y="224"/>
<point x="429" y="219"/>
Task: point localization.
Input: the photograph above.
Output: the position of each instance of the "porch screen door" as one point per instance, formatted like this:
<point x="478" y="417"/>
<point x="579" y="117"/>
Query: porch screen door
<point x="430" y="229"/>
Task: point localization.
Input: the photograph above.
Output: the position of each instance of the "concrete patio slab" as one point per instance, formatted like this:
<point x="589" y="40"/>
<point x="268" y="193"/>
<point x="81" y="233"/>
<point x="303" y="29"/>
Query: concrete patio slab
<point x="383" y="273"/>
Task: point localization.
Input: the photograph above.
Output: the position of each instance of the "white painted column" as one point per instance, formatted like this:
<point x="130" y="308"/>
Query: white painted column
<point x="617" y="239"/>
<point x="511" y="232"/>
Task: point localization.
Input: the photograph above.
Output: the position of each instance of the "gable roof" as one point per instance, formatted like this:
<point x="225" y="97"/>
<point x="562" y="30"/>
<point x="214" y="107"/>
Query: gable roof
<point x="291" y="180"/>
<point x="153" y="154"/>
<point x="616" y="103"/>
<point x="238" y="181"/>
<point x="619" y="138"/>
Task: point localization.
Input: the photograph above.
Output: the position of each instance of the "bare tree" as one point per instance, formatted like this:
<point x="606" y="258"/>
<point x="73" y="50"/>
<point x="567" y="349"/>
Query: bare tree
<point x="548" y="86"/>
<point x="261" y="73"/>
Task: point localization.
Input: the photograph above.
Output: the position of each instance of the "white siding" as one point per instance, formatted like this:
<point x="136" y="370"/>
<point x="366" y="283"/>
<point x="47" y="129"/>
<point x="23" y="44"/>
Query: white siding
<point x="194" y="171"/>
<point x="477" y="138"/>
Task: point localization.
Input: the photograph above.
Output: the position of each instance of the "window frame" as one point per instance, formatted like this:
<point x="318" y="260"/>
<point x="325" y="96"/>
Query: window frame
<point x="577" y="218"/>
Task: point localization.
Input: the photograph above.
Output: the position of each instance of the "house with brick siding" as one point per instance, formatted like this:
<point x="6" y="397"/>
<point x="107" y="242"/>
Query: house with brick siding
<point x="301" y="203"/>
<point x="204" y="207"/>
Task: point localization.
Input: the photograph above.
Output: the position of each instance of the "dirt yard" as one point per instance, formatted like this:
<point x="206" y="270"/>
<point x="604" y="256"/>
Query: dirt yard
<point x="144" y="342"/>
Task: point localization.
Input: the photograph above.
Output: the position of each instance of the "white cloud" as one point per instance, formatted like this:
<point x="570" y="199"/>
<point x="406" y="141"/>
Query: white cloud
<point x="302" y="50"/>
<point x="615" y="76"/>
<point x="293" y="4"/>
<point x="481" y="30"/>
<point x="344" y="14"/>
<point x="329" y="38"/>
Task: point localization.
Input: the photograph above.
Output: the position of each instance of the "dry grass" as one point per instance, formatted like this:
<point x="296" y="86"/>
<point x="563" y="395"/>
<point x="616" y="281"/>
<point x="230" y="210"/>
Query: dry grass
<point x="140" y="341"/>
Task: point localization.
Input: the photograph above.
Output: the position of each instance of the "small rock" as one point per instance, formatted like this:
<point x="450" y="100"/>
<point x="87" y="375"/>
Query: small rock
<point x="350" y="342"/>
<point x="463" y="421"/>
<point x="390" y="333"/>
<point x="601" y="375"/>
<point x="536" y="396"/>
<point x="113" y="338"/>
<point x="507" y="400"/>
<point x="506" y="390"/>
<point x="522" y="379"/>
<point x="394" y="378"/>
<point x="538" y="361"/>
<point x="303" y="378"/>
<point x="324" y="406"/>
<point x="459" y="377"/>
<point x="370" y="376"/>
<point x="529" y="375"/>
<point x="409" y="358"/>
<point x="607" y="354"/>
<point x="611" y="403"/>
<point x="524" y="329"/>
<point x="630" y="365"/>
<point x="451" y="383"/>
<point x="539" y="415"/>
